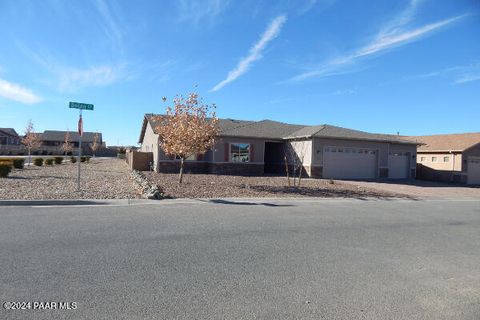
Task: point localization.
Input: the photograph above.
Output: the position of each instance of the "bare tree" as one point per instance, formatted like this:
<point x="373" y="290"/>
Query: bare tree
<point x="294" y="157"/>
<point x="31" y="140"/>
<point x="67" y="146"/>
<point x="187" y="129"/>
<point x="96" y="143"/>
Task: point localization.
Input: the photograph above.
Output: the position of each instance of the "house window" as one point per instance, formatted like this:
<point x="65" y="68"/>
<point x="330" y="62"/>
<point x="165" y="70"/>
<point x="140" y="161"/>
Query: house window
<point x="434" y="159"/>
<point x="239" y="152"/>
<point x="446" y="159"/>
<point x="422" y="159"/>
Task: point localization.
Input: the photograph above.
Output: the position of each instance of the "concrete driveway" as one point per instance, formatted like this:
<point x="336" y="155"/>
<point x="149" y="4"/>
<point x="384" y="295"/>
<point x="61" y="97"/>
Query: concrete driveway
<point x="423" y="189"/>
<point x="245" y="259"/>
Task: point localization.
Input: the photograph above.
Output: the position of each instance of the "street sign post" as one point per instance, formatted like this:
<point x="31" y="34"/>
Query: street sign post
<point x="80" y="107"/>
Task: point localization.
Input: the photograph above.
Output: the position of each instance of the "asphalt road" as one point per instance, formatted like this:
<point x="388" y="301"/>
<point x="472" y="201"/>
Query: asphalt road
<point x="331" y="259"/>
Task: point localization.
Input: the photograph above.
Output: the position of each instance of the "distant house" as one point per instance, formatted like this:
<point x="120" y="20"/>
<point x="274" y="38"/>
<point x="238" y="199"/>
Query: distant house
<point x="53" y="140"/>
<point x="449" y="157"/>
<point x="258" y="147"/>
<point x="8" y="136"/>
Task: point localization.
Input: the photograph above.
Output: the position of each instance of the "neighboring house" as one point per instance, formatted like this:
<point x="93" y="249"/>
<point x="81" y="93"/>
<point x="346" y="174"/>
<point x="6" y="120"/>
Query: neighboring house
<point x="8" y="136"/>
<point x="53" y="140"/>
<point x="258" y="147"/>
<point x="449" y="157"/>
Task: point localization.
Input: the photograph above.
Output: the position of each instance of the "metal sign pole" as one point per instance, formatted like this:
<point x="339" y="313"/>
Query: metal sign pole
<point x="79" y="149"/>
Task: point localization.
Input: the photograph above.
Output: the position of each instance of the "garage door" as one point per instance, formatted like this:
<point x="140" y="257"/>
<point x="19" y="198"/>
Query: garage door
<point x="398" y="165"/>
<point x="349" y="163"/>
<point x="473" y="171"/>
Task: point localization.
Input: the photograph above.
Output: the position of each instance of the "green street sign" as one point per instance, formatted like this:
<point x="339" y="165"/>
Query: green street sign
<point x="82" y="106"/>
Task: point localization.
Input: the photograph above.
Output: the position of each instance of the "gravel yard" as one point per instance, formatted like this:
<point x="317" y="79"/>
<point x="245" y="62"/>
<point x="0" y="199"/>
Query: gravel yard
<point x="223" y="186"/>
<point x="101" y="179"/>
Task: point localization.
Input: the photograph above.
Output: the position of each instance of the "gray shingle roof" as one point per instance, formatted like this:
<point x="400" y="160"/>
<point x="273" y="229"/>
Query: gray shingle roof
<point x="9" y="132"/>
<point x="328" y="131"/>
<point x="53" y="135"/>
<point x="269" y="129"/>
<point x="263" y="129"/>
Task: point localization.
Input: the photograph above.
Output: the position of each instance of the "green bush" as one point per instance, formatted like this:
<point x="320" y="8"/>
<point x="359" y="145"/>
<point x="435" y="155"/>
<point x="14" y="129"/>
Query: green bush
<point x="83" y="159"/>
<point x="5" y="169"/>
<point x="38" y="162"/>
<point x="18" y="163"/>
<point x="58" y="160"/>
<point x="49" y="161"/>
<point x="87" y="158"/>
<point x="73" y="159"/>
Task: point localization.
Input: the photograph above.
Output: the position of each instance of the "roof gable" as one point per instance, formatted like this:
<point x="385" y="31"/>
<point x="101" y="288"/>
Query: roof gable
<point x="9" y="132"/>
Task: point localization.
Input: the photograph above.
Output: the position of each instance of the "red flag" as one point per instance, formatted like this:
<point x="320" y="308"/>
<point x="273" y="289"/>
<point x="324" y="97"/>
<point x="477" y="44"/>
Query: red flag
<point x="80" y="126"/>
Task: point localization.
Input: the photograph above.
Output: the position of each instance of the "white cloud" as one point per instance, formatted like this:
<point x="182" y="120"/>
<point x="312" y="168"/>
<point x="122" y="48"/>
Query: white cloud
<point x="18" y="93"/>
<point x="72" y="79"/>
<point x="468" y="78"/>
<point x="255" y="53"/>
<point x="391" y="35"/>
<point x="195" y="11"/>
<point x="110" y="25"/>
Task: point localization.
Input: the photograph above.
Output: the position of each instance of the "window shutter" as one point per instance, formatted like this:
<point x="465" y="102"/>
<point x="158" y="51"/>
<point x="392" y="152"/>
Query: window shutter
<point x="226" y="151"/>
<point x="252" y="153"/>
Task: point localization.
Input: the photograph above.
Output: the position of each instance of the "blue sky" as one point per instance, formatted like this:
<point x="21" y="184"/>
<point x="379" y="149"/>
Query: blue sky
<point x="407" y="66"/>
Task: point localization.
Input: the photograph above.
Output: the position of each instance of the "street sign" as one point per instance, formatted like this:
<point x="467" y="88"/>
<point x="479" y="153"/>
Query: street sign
<point x="81" y="106"/>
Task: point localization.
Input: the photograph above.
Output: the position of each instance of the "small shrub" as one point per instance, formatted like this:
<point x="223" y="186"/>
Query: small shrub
<point x="18" y="163"/>
<point x="58" y="160"/>
<point x="73" y="159"/>
<point x="38" y="162"/>
<point x="5" y="169"/>
<point x="49" y="161"/>
<point x="83" y="159"/>
<point x="87" y="158"/>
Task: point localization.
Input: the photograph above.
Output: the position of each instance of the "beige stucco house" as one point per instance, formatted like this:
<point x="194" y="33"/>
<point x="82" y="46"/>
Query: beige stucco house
<point x="449" y="157"/>
<point x="258" y="147"/>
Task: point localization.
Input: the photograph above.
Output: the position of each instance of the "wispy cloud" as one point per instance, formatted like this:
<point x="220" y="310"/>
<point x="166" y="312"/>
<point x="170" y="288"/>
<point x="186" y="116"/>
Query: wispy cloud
<point x="255" y="53"/>
<point x="18" y="93"/>
<point x="468" y="78"/>
<point x="392" y="35"/>
<point x="310" y="4"/>
<point x="73" y="79"/>
<point x="195" y="11"/>
<point x="68" y="78"/>
<point x="110" y="25"/>
<point x="458" y="74"/>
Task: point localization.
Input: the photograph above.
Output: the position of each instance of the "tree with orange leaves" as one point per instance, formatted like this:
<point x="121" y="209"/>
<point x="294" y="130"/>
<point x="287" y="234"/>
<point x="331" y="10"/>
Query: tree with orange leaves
<point x="187" y="129"/>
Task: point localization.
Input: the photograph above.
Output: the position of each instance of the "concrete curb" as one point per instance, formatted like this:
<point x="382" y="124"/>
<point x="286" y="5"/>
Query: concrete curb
<point x="75" y="202"/>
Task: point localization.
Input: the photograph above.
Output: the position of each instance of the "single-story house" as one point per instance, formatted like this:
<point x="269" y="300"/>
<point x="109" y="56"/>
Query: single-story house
<point x="8" y="136"/>
<point x="258" y="147"/>
<point x="449" y="157"/>
<point x="52" y="141"/>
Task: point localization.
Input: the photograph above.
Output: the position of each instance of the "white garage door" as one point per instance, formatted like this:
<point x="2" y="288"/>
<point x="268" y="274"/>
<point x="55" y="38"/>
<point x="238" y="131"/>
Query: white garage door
<point x="349" y="163"/>
<point x="473" y="171"/>
<point x="398" y="165"/>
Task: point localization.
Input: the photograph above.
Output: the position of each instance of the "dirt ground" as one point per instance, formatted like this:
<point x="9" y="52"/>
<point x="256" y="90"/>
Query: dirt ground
<point x="101" y="179"/>
<point x="225" y="186"/>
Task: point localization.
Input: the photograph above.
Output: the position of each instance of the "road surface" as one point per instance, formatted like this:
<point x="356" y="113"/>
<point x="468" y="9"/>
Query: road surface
<point x="303" y="259"/>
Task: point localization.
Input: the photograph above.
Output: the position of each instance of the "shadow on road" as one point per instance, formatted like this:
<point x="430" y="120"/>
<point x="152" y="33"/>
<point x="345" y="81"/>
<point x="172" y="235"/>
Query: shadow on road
<point x="246" y="203"/>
